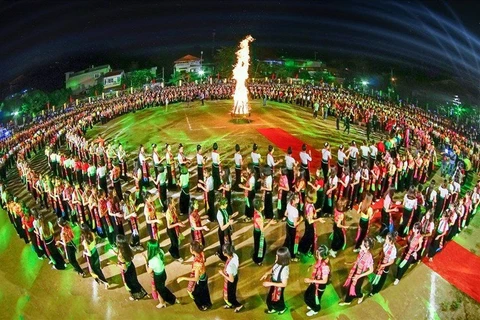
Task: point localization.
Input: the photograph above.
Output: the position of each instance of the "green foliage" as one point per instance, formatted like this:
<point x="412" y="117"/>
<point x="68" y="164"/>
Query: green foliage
<point x="225" y="58"/>
<point x="96" y="90"/>
<point x="34" y="102"/>
<point x="59" y="97"/>
<point x="138" y="78"/>
<point x="186" y="77"/>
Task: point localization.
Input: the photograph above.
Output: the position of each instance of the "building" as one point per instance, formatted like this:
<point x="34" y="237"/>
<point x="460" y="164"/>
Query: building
<point x="113" y="79"/>
<point x="82" y="80"/>
<point x="188" y="63"/>
<point x="304" y="64"/>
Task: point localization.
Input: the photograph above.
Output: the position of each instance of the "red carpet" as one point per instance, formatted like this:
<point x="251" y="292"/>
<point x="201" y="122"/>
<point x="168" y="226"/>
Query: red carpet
<point x="454" y="263"/>
<point x="283" y="140"/>
<point x="459" y="267"/>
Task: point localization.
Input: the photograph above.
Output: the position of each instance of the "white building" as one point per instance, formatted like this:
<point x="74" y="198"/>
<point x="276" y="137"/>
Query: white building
<point x="113" y="79"/>
<point x="84" y="79"/>
<point x="188" y="63"/>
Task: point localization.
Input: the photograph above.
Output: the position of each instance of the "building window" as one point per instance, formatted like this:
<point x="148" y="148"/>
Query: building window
<point x="96" y="75"/>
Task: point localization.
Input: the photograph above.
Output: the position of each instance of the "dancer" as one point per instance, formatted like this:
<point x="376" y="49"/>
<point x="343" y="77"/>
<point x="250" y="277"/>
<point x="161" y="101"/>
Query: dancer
<point x="208" y="195"/>
<point x="267" y="188"/>
<point x="230" y="275"/>
<point x="238" y="159"/>
<point x="225" y="223"/>
<point x="161" y="183"/>
<point x="293" y="220"/>
<point x="200" y="165"/>
<point x="331" y="187"/>
<point x="129" y="210"/>
<point x="270" y="160"/>
<point x="170" y="164"/>
<point x="151" y="217"/>
<point x="127" y="269"/>
<point x="318" y="282"/>
<point x="412" y="253"/>
<point x="389" y="254"/>
<point x="196" y="228"/>
<point x="283" y="189"/>
<point x="326" y="157"/>
<point x="155" y="261"/>
<point x="259" y="242"/>
<point x="305" y="159"/>
<point x="185" y="190"/>
<point x="226" y="188"/>
<point x="249" y="192"/>
<point x="362" y="267"/>
<point x="256" y="158"/>
<point x="339" y="233"/>
<point x="340" y="160"/>
<point x="30" y="224"/>
<point x="318" y="188"/>
<point x="290" y="164"/>
<point x="409" y="206"/>
<point x="198" y="280"/>
<point x="427" y="227"/>
<point x="308" y="243"/>
<point x="439" y="239"/>
<point x="216" y="167"/>
<point x="47" y="235"/>
<point x="173" y="229"/>
<point x="365" y="211"/>
<point x="386" y="217"/>
<point x="66" y="240"/>
<point x="90" y="253"/>
<point x="278" y="282"/>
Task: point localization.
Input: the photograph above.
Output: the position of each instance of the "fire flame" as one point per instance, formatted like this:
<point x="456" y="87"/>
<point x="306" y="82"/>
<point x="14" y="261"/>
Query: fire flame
<point x="240" y="74"/>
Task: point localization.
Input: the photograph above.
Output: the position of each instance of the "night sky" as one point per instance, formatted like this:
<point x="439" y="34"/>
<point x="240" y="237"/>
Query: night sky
<point x="42" y="41"/>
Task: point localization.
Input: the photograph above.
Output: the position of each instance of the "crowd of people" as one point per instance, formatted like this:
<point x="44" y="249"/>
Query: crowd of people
<point x="84" y="186"/>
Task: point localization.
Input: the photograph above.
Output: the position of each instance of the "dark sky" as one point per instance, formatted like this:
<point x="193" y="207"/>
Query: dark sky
<point x="43" y="40"/>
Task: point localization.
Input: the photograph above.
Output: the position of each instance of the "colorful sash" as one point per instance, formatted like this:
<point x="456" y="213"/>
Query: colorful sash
<point x="359" y="267"/>
<point x="225" y="283"/>
<point x="414" y="240"/>
<point x="277" y="291"/>
<point x="317" y="274"/>
<point x="384" y="260"/>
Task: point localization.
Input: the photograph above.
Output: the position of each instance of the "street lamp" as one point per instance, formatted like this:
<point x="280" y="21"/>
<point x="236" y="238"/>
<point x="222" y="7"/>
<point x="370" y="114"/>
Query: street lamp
<point x="364" y="83"/>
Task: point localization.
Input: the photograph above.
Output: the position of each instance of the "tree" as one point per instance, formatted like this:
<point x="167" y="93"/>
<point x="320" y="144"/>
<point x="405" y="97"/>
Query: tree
<point x="59" y="97"/>
<point x="96" y="90"/>
<point x="34" y="101"/>
<point x="138" y="78"/>
<point x="225" y="59"/>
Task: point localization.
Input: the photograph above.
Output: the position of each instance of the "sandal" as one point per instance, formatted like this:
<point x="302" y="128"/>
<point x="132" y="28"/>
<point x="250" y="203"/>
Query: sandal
<point x="283" y="311"/>
<point x="238" y="309"/>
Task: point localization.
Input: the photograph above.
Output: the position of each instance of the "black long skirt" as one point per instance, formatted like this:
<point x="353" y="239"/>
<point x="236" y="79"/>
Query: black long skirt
<point x="268" y="211"/>
<point x="307" y="242"/>
<point x="201" y="294"/>
<point x="276" y="305"/>
<point x="160" y="280"/>
<point x="95" y="268"/>
<point x="131" y="281"/>
<point x="310" y="296"/>
<point x="338" y="240"/>
<point x="258" y="255"/>
<point x="184" y="201"/>
<point x="54" y="254"/>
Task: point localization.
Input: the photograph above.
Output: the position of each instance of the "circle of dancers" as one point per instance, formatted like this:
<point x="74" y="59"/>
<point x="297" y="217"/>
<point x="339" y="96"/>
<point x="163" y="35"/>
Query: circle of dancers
<point x="84" y="186"/>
